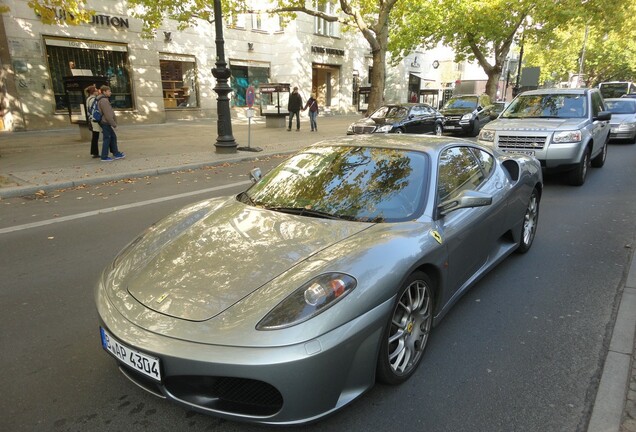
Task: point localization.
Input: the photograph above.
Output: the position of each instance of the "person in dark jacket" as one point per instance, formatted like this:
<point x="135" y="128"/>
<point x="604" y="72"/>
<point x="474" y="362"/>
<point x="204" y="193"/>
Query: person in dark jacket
<point x="108" y="124"/>
<point x="294" y="106"/>
<point x="312" y="104"/>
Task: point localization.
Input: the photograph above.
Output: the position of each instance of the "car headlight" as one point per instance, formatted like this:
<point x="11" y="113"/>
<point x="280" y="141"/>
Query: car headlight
<point x="467" y="117"/>
<point x="384" y="128"/>
<point x="627" y="126"/>
<point x="567" y="136"/>
<point x="487" y="135"/>
<point x="350" y="128"/>
<point x="309" y="300"/>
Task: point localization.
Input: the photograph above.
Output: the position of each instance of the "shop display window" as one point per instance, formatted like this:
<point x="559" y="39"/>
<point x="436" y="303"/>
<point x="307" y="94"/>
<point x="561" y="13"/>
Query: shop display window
<point x="245" y="76"/>
<point x="178" y="82"/>
<point x="110" y="61"/>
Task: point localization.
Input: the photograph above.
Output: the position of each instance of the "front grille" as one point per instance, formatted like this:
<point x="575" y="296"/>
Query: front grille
<point x="363" y="129"/>
<point x="228" y="394"/>
<point x="521" y="142"/>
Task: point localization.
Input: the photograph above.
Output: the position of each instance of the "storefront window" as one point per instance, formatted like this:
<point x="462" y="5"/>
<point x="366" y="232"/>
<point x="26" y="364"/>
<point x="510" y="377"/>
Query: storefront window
<point x="69" y="57"/>
<point x="178" y="81"/>
<point x="245" y="75"/>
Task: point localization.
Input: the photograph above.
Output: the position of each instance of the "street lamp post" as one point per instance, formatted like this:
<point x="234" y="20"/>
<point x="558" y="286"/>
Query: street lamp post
<point x="225" y="142"/>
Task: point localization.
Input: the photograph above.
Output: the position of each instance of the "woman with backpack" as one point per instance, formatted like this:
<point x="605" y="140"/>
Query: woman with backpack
<point x="92" y="92"/>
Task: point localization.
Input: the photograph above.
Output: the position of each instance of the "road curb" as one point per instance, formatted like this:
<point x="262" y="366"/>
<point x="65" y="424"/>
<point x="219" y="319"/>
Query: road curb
<point x="16" y="191"/>
<point x="609" y="405"/>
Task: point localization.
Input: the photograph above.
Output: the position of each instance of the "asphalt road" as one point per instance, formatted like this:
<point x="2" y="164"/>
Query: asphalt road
<point x="522" y="351"/>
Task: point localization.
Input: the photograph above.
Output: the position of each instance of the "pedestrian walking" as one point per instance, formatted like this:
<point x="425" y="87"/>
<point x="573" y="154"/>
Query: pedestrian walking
<point x="312" y="105"/>
<point x="293" y="106"/>
<point x="108" y="124"/>
<point x="92" y="92"/>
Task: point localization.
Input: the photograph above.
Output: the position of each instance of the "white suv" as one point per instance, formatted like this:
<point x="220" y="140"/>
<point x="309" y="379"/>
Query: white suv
<point x="566" y="129"/>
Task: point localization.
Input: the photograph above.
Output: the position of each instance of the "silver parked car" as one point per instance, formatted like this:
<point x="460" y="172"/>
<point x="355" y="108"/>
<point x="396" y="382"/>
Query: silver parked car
<point x="566" y="129"/>
<point x="284" y="303"/>
<point x="623" y="123"/>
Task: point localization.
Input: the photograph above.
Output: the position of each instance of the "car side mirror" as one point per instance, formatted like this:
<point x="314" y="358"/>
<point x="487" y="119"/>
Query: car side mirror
<point x="255" y="175"/>
<point x="603" y="116"/>
<point x="466" y="199"/>
<point x="493" y="115"/>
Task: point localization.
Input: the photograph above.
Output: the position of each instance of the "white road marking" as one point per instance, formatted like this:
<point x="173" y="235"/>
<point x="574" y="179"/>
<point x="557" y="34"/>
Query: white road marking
<point x="117" y="208"/>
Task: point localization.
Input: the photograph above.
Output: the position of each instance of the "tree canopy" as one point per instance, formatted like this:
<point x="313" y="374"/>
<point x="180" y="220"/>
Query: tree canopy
<point x="484" y="30"/>
<point x="608" y="53"/>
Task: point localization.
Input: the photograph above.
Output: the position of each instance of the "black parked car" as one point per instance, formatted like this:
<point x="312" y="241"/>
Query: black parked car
<point x="467" y="114"/>
<point x="401" y="118"/>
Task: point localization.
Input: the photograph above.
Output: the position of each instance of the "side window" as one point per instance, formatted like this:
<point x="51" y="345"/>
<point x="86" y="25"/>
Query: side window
<point x="485" y="160"/>
<point x="416" y="111"/>
<point x="597" y="104"/>
<point x="459" y="170"/>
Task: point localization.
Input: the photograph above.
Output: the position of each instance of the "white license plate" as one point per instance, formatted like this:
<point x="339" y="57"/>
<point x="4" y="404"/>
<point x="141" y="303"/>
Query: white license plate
<point x="451" y="127"/>
<point x="147" y="365"/>
<point x="522" y="152"/>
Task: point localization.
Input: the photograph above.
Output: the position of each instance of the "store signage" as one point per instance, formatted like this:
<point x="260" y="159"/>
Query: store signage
<point x="274" y="88"/>
<point x="325" y="50"/>
<point x="62" y="15"/>
<point x="85" y="44"/>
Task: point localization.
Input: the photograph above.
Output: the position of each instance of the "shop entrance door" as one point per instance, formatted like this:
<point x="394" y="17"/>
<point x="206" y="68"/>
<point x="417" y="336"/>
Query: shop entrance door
<point x="324" y="84"/>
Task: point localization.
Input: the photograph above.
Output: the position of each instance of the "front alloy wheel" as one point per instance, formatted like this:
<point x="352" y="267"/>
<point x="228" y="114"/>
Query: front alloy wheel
<point x="438" y="129"/>
<point x="407" y="331"/>
<point x="530" y="220"/>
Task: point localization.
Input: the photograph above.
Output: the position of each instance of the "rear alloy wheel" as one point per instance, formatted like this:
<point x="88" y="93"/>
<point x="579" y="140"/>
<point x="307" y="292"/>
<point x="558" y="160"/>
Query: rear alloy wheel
<point x="578" y="175"/>
<point x="530" y="220"/>
<point x="599" y="160"/>
<point x="407" y="331"/>
<point x="438" y="129"/>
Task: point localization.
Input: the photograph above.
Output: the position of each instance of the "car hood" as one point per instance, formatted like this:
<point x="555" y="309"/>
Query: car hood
<point x="202" y="260"/>
<point x="377" y="121"/>
<point x="456" y="111"/>
<point x="622" y="118"/>
<point x="534" y="124"/>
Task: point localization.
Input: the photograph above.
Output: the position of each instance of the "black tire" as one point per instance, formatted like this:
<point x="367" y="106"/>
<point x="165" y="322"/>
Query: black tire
<point x="577" y="176"/>
<point x="407" y="330"/>
<point x="476" y="129"/>
<point x="399" y="130"/>
<point x="438" y="129"/>
<point x="530" y="220"/>
<point x="599" y="160"/>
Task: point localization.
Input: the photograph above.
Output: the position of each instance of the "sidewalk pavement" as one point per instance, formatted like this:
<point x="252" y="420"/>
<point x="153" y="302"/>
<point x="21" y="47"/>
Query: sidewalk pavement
<point x="60" y="159"/>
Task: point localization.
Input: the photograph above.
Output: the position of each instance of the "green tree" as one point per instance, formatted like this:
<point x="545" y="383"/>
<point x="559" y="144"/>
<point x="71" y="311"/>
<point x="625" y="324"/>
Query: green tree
<point x="484" y="30"/>
<point x="609" y="51"/>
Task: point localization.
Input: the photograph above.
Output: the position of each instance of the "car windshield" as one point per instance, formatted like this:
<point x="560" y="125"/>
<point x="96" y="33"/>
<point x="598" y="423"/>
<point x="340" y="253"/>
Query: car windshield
<point x="621" y="106"/>
<point x="466" y="102"/>
<point x="390" y="112"/>
<point x="547" y="106"/>
<point x="364" y="184"/>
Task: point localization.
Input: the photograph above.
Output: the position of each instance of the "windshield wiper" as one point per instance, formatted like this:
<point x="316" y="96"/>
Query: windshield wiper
<point x="245" y="199"/>
<point x="302" y="211"/>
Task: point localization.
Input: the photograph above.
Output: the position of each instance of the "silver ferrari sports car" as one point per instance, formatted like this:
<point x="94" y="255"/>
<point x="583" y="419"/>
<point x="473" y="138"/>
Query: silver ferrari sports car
<point x="287" y="301"/>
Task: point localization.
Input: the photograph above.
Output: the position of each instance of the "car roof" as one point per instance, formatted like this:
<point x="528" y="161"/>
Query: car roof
<point x="574" y="91"/>
<point x="414" y="142"/>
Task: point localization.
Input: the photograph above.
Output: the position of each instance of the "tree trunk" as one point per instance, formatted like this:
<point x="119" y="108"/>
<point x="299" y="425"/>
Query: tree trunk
<point x="492" y="84"/>
<point x="378" y="76"/>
